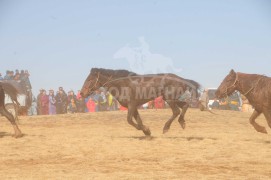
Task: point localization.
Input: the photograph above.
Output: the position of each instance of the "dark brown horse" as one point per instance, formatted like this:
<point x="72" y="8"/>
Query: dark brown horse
<point x="256" y="88"/>
<point x="133" y="90"/>
<point x="12" y="92"/>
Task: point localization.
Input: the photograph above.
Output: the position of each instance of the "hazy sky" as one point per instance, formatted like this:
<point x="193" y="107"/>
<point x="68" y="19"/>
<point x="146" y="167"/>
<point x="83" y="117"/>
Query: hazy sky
<point x="59" y="41"/>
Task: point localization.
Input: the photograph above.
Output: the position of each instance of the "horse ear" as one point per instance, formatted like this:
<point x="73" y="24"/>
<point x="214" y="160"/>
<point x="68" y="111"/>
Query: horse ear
<point x="232" y="72"/>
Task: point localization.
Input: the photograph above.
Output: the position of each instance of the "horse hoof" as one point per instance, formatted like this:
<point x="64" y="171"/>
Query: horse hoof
<point x="165" y="131"/>
<point x="147" y="132"/>
<point x="183" y="125"/>
<point x="263" y="131"/>
<point x="17" y="135"/>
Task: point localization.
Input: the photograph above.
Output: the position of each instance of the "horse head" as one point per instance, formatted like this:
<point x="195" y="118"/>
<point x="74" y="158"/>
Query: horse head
<point x="228" y="85"/>
<point x="92" y="83"/>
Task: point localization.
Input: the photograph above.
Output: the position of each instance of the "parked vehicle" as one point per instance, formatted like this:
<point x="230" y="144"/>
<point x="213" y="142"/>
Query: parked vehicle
<point x="233" y="102"/>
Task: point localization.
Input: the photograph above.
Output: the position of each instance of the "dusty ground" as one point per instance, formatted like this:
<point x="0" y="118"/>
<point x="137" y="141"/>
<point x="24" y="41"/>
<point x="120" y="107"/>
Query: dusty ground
<point x="104" y="146"/>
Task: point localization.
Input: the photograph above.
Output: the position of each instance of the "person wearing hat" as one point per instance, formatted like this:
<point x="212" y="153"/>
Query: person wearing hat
<point x="61" y="101"/>
<point x="44" y="103"/>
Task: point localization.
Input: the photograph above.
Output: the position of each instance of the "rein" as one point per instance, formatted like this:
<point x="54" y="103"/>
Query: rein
<point x="108" y="80"/>
<point x="234" y="84"/>
<point x="97" y="80"/>
<point x="253" y="86"/>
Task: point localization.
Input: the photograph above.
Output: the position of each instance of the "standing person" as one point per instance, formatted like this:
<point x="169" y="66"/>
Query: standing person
<point x="72" y="102"/>
<point x="97" y="98"/>
<point x="11" y="75"/>
<point x="8" y="75"/>
<point x="1" y="78"/>
<point x="58" y="103"/>
<point x="103" y="102"/>
<point x="110" y="101"/>
<point x="44" y="103"/>
<point x="186" y="96"/>
<point x="39" y="102"/>
<point x="17" y="72"/>
<point x="80" y="102"/>
<point x="61" y="102"/>
<point x="204" y="100"/>
<point x="26" y="79"/>
<point x="32" y="111"/>
<point x="90" y="104"/>
<point x="52" y="103"/>
<point x="64" y="98"/>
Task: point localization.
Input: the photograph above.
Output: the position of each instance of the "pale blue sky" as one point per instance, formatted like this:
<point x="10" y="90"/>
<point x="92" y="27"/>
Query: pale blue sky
<point x="59" y="41"/>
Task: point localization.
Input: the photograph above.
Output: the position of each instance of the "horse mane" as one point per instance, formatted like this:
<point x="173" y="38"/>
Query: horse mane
<point x="113" y="73"/>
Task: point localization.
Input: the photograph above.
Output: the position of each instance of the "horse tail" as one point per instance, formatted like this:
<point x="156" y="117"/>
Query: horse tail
<point x="11" y="91"/>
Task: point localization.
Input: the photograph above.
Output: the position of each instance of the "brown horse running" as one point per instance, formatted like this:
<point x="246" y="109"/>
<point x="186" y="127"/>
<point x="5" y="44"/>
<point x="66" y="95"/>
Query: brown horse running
<point x="12" y="92"/>
<point x="256" y="88"/>
<point x="133" y="90"/>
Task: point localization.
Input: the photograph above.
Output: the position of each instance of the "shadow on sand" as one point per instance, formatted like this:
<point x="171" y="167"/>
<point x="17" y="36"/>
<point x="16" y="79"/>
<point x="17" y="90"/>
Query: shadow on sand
<point x="173" y="138"/>
<point x="3" y="134"/>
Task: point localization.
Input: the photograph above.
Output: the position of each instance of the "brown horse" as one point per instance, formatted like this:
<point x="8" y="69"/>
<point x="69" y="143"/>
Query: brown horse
<point x="133" y="90"/>
<point x="12" y="92"/>
<point x="256" y="88"/>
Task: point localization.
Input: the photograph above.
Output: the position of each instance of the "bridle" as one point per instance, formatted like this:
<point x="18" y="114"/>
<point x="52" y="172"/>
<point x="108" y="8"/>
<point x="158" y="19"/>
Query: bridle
<point x="233" y="85"/>
<point x="96" y="82"/>
<point x="253" y="86"/>
<point x="86" y="87"/>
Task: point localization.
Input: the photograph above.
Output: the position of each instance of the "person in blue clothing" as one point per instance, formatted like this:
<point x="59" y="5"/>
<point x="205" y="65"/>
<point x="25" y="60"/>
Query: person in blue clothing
<point x="97" y="98"/>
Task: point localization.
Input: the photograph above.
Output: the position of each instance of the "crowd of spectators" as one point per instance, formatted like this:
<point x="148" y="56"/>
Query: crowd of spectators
<point x="61" y="102"/>
<point x="19" y="76"/>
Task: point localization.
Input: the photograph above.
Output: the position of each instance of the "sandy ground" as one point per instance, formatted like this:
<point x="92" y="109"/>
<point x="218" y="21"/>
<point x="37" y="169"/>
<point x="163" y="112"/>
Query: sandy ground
<point x="104" y="146"/>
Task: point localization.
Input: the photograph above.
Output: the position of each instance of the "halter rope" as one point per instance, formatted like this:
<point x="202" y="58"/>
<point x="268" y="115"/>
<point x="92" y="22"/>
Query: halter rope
<point x="253" y="86"/>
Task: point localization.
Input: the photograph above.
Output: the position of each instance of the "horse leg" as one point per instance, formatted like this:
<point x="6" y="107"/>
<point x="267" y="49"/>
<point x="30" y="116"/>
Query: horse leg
<point x="131" y="112"/>
<point x="138" y="119"/>
<point x="181" y="118"/>
<point x="176" y="111"/>
<point x="267" y="115"/>
<point x="11" y="119"/>
<point x="256" y="126"/>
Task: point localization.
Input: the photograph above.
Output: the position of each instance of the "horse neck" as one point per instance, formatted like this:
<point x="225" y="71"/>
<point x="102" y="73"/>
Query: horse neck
<point x="246" y="82"/>
<point x="108" y="78"/>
